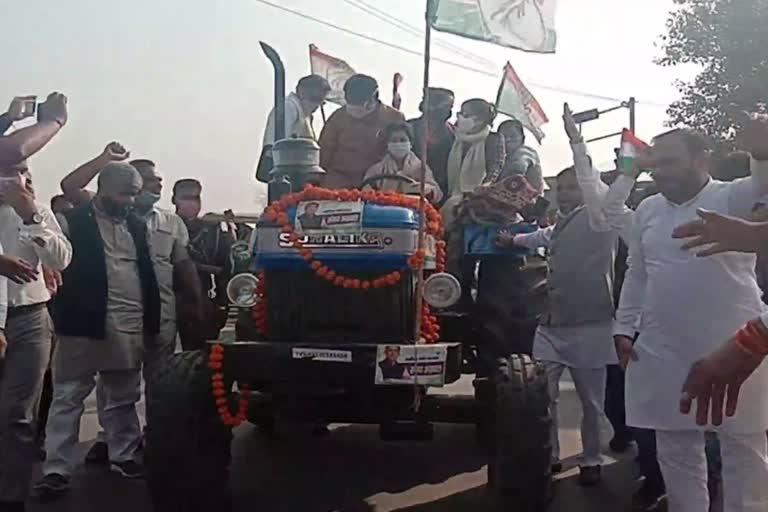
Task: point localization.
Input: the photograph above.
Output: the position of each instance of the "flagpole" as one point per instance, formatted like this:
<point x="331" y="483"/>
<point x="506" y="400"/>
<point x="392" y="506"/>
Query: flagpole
<point x="423" y="175"/>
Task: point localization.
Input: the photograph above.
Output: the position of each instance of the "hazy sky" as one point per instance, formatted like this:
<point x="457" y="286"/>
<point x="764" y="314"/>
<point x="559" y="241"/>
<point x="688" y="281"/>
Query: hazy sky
<point x="185" y="83"/>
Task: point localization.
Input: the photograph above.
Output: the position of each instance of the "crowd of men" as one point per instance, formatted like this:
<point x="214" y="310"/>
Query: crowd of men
<point x="95" y="289"/>
<point x="98" y="286"/>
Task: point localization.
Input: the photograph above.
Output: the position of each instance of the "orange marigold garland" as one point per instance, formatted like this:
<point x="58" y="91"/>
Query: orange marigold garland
<point x="221" y="393"/>
<point x="260" y="309"/>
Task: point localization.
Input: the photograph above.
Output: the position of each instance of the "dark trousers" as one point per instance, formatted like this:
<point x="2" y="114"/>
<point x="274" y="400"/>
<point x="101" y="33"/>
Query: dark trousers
<point x="646" y="459"/>
<point x="614" y="403"/>
<point x="46" y="397"/>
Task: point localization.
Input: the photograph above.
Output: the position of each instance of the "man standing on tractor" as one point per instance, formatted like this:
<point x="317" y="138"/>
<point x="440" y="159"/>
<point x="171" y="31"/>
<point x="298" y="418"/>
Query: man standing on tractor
<point x="440" y="135"/>
<point x="300" y="107"/>
<point x="351" y="140"/>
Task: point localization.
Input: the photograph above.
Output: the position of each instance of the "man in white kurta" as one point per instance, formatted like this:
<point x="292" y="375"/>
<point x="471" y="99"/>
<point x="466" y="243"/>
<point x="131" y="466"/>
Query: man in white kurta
<point x="684" y="307"/>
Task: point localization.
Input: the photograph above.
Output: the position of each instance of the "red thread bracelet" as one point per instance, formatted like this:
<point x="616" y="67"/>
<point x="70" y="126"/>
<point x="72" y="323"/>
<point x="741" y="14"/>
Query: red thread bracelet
<point x="753" y="339"/>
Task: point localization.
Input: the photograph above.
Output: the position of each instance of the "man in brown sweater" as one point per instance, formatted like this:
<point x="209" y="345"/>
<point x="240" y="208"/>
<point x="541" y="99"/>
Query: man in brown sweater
<point x="351" y="141"/>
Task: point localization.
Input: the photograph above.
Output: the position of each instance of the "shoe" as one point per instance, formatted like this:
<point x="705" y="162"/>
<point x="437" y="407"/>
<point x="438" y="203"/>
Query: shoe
<point x="98" y="454"/>
<point x="128" y="469"/>
<point x="557" y="467"/>
<point x="53" y="485"/>
<point x="590" y="476"/>
<point x="619" y="444"/>
<point x="647" y="499"/>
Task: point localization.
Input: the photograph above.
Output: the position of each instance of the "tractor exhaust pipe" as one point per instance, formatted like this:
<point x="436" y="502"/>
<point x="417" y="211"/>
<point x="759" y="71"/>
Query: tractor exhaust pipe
<point x="277" y="63"/>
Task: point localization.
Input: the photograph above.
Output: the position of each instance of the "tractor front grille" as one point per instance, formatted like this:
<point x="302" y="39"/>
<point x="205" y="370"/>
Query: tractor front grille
<point x="303" y="307"/>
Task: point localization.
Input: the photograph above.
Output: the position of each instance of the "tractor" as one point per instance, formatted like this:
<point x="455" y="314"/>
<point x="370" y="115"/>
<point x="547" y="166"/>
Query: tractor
<point x="323" y="328"/>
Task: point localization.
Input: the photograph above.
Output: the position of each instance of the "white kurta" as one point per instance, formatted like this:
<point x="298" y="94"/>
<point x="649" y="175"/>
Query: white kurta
<point x="685" y="307"/>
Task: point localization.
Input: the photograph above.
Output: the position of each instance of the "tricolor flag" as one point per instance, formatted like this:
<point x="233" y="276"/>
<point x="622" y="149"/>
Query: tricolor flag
<point x="336" y="71"/>
<point x="515" y="100"/>
<point x="631" y="146"/>
<point x="527" y="25"/>
<point x="397" y="99"/>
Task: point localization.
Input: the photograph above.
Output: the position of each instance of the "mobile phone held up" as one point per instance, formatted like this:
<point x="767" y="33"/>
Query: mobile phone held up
<point x="28" y="105"/>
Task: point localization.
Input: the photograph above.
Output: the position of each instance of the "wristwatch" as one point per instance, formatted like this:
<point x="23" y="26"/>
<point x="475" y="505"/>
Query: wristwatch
<point x="35" y="220"/>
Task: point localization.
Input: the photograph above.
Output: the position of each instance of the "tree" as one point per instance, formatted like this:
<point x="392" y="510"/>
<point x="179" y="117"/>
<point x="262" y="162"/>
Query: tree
<point x="729" y="41"/>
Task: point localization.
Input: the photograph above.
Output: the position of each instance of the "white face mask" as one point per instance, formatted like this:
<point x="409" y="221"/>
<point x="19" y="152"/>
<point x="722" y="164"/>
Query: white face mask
<point x="466" y="124"/>
<point x="399" y="149"/>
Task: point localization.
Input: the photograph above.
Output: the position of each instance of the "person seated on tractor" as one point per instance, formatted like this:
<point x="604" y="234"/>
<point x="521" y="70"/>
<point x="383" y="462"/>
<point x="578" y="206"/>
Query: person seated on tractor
<point x="400" y="160"/>
<point x="576" y="332"/>
<point x="440" y="133"/>
<point x="521" y="159"/>
<point x="351" y="141"/>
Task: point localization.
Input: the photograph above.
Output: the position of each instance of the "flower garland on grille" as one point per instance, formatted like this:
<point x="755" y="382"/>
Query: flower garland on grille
<point x="221" y="393"/>
<point x="277" y="212"/>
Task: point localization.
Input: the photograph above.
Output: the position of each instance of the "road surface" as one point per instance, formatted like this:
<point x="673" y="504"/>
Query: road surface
<point x="352" y="471"/>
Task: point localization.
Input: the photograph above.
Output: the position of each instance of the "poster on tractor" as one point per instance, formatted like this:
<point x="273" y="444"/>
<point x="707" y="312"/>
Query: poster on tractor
<point x="411" y="364"/>
<point x="331" y="217"/>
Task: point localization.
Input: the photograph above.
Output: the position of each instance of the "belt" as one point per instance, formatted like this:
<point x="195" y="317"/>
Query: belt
<point x="20" y="310"/>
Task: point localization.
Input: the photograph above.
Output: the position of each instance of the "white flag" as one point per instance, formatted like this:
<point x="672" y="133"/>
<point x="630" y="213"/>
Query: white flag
<point x="515" y="100"/>
<point x="336" y="71"/>
<point x="523" y="24"/>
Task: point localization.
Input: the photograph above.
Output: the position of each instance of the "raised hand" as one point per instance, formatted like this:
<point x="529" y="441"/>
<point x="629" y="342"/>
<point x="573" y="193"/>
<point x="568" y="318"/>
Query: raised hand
<point x="571" y="128"/>
<point x="722" y="233"/>
<point x="753" y="136"/>
<point x="54" y="108"/>
<point x="115" y="152"/>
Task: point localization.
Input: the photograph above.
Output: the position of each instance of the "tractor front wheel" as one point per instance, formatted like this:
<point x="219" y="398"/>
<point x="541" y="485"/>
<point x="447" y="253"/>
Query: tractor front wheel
<point x="519" y="469"/>
<point x="187" y="450"/>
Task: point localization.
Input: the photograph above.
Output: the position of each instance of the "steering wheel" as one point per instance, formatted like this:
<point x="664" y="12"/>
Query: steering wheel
<point x="368" y="182"/>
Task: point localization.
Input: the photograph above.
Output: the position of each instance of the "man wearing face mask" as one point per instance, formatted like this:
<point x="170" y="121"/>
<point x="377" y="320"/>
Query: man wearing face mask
<point x="209" y="246"/>
<point x="441" y="133"/>
<point x="168" y="239"/>
<point x="168" y="242"/>
<point x="108" y="305"/>
<point x="521" y="159"/>
<point x="351" y="140"/>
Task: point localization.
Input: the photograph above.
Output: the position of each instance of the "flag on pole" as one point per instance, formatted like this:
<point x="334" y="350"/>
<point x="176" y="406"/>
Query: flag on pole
<point x="631" y="146"/>
<point x="336" y="71"/>
<point x="397" y="100"/>
<point x="527" y="25"/>
<point x="515" y="100"/>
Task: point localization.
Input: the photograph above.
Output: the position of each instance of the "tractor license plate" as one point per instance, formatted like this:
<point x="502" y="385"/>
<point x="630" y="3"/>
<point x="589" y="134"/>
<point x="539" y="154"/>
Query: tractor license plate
<point x="422" y="365"/>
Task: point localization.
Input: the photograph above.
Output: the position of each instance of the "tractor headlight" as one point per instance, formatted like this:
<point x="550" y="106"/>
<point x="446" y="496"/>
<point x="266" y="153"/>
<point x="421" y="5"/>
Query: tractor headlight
<point x="241" y="290"/>
<point x="442" y="290"/>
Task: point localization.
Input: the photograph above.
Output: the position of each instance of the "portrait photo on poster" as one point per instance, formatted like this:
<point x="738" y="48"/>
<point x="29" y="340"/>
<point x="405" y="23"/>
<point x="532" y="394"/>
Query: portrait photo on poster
<point x="329" y="217"/>
<point x="410" y="364"/>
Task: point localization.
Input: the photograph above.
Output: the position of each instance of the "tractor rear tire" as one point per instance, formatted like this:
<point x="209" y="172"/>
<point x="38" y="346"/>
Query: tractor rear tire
<point x="187" y="452"/>
<point x="519" y="470"/>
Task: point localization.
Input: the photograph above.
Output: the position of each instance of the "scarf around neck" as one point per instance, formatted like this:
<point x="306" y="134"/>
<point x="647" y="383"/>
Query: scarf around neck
<point x="467" y="169"/>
